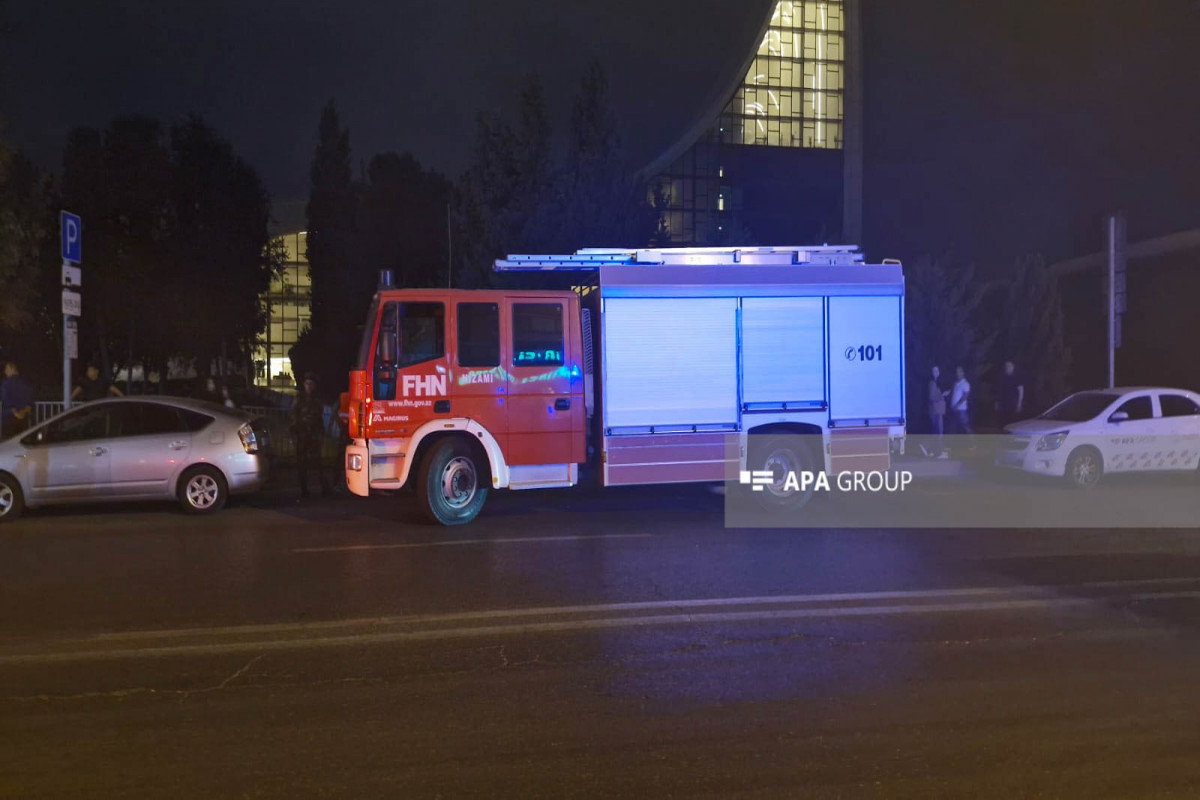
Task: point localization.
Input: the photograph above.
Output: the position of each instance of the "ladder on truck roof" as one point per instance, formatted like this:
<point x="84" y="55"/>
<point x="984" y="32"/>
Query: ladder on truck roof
<point x="591" y="258"/>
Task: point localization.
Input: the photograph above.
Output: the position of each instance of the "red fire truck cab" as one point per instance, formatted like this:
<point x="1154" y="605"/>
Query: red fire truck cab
<point x="657" y="373"/>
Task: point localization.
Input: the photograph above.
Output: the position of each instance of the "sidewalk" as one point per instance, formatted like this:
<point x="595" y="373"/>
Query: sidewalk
<point x="925" y="467"/>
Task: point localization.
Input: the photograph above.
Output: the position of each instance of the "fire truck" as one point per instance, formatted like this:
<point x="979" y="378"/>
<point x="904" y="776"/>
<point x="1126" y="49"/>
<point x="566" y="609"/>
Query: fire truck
<point x="662" y="366"/>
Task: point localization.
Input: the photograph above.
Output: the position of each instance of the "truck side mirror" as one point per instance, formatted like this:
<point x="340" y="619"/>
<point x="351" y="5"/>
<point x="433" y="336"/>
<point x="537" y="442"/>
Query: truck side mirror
<point x="387" y="349"/>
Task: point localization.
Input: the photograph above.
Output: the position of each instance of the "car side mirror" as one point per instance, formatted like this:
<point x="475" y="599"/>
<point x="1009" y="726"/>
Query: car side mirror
<point x="1119" y="416"/>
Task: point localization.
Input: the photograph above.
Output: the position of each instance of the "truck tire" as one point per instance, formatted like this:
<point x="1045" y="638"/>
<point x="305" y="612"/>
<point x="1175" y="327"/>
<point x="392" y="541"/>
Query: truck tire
<point x="781" y="454"/>
<point x="1084" y="468"/>
<point x="450" y="487"/>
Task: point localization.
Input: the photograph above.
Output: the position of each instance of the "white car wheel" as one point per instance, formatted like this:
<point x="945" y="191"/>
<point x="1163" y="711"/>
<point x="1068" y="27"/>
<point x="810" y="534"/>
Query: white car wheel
<point x="202" y="490"/>
<point x="12" y="502"/>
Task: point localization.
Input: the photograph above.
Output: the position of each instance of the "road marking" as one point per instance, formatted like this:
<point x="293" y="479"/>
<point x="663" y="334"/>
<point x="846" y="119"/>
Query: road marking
<point x="1166" y="596"/>
<point x="643" y="605"/>
<point x="528" y="628"/>
<point x="505" y="622"/>
<point x="459" y="542"/>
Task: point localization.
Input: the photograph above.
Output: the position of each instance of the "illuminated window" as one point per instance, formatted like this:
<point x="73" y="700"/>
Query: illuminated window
<point x="792" y="94"/>
<point x="537" y="334"/>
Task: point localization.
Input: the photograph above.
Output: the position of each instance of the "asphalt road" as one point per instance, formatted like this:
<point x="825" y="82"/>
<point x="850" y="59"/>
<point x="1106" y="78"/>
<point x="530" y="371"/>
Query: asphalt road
<point x="619" y="643"/>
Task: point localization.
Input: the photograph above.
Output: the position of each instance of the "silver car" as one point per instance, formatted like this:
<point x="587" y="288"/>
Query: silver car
<point x="140" y="448"/>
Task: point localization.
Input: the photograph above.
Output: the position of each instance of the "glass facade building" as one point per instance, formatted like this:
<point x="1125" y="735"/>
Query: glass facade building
<point x="769" y="165"/>
<point x="289" y="310"/>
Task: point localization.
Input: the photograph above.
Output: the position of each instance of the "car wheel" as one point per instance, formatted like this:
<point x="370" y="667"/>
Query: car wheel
<point x="12" y="502"/>
<point x="1084" y="468"/>
<point x="450" y="487"/>
<point x="780" y="455"/>
<point x="202" y="490"/>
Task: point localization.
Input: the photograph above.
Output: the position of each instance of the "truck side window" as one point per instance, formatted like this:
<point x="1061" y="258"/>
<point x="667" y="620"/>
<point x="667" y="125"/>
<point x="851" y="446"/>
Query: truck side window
<point x="537" y="334"/>
<point x="386" y="346"/>
<point x="422" y="332"/>
<point x="478" y="335"/>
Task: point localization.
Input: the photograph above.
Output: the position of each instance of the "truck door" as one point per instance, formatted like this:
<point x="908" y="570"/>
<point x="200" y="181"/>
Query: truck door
<point x="544" y="407"/>
<point x="479" y="384"/>
<point x="410" y="374"/>
<point x="866" y="361"/>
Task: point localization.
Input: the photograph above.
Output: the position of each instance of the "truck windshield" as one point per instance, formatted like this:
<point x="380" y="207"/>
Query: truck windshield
<point x="1080" y="407"/>
<point x="364" y="348"/>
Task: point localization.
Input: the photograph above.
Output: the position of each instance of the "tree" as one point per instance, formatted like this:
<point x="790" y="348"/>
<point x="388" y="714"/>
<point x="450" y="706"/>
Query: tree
<point x="601" y="202"/>
<point x="514" y="198"/>
<point x="23" y="201"/>
<point x="177" y="251"/>
<point x="119" y="182"/>
<point x="501" y="200"/>
<point x="222" y="256"/>
<point x="943" y="318"/>
<point x="402" y="225"/>
<point x="1031" y="332"/>
<point x="326" y="347"/>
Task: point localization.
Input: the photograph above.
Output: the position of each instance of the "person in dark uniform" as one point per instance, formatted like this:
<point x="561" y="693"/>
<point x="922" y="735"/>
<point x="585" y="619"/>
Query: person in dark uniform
<point x="92" y="388"/>
<point x="308" y="429"/>
<point x="1010" y="396"/>
<point x="16" y="402"/>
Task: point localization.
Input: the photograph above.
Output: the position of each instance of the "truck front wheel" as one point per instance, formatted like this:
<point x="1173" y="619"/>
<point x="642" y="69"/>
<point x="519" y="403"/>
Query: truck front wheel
<point x="450" y="489"/>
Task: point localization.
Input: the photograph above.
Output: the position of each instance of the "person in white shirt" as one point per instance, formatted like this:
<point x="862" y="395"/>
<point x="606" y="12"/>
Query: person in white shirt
<point x="960" y="401"/>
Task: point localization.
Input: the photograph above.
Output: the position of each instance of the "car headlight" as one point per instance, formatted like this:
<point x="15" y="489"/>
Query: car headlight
<point x="249" y="440"/>
<point x="1051" y="441"/>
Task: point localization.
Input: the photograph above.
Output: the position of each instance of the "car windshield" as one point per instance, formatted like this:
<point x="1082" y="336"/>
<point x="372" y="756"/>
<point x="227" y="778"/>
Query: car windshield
<point x="1080" y="407"/>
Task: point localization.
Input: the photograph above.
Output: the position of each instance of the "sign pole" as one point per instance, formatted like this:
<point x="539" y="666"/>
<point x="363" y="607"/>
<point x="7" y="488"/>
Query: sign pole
<point x="71" y="231"/>
<point x="66" y="362"/>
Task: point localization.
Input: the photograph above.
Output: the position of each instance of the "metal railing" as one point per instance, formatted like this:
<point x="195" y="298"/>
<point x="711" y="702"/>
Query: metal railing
<point x="47" y="409"/>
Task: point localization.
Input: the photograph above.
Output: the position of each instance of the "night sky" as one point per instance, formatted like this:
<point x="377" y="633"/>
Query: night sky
<point x="992" y="128"/>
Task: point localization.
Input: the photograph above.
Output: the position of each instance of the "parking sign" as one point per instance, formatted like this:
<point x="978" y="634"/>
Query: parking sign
<point x="72" y="237"/>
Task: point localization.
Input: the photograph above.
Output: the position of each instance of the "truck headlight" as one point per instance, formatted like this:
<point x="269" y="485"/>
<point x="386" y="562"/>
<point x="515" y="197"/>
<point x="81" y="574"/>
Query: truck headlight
<point x="1051" y="441"/>
<point x="354" y="462"/>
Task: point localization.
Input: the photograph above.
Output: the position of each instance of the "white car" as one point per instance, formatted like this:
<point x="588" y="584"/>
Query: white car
<point x="1107" y="430"/>
<point x="136" y="448"/>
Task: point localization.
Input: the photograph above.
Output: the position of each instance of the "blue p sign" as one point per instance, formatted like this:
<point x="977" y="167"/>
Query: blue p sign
<point x="72" y="237"/>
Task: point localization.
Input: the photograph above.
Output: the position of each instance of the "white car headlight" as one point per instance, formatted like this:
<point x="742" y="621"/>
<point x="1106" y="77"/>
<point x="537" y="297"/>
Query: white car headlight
<point x="1051" y="441"/>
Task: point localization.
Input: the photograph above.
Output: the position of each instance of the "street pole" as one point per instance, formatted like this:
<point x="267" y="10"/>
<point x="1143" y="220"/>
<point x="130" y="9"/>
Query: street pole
<point x="1112" y="301"/>
<point x="66" y="362"/>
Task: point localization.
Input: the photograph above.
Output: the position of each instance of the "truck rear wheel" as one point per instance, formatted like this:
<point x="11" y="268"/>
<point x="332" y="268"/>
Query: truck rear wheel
<point x="781" y="455"/>
<point x="450" y="488"/>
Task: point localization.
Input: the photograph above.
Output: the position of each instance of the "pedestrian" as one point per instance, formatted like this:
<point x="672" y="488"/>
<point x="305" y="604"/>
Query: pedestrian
<point x="308" y="430"/>
<point x="960" y="402"/>
<point x="226" y="399"/>
<point x="16" y="402"/>
<point x="1010" y="396"/>
<point x="937" y="414"/>
<point x="90" y="387"/>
